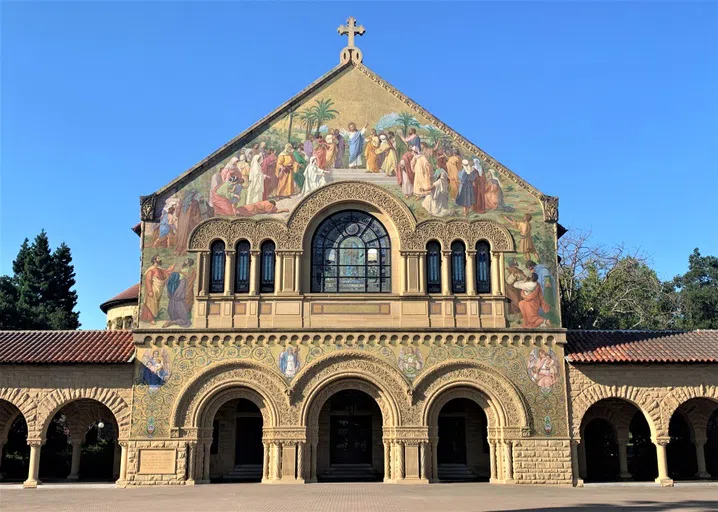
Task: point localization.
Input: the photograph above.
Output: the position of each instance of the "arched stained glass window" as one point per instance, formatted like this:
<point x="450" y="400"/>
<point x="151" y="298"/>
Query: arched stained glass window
<point x="483" y="268"/>
<point x="216" y="267"/>
<point x="433" y="267"/>
<point x="241" y="269"/>
<point x="351" y="253"/>
<point x="266" y="277"/>
<point x="458" y="267"/>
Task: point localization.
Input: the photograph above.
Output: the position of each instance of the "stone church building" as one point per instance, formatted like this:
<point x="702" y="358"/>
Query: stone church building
<point x="349" y="290"/>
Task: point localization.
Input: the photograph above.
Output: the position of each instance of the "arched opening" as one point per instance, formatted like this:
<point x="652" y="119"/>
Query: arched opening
<point x="616" y="443"/>
<point x="433" y="267"/>
<point x="483" y="267"/>
<point x="458" y="267"/>
<point x="266" y="267"/>
<point x="693" y="449"/>
<point x="14" y="451"/>
<point x="242" y="268"/>
<point x="81" y="444"/>
<point x="236" y="452"/>
<point x="350" y="445"/>
<point x="216" y="267"/>
<point x="463" y="449"/>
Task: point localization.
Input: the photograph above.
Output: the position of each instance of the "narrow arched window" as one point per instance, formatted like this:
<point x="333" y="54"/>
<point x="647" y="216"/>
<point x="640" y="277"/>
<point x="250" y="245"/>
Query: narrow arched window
<point x="483" y="268"/>
<point x="433" y="267"/>
<point x="458" y="267"/>
<point x="216" y="267"/>
<point x="266" y="275"/>
<point x="241" y="269"/>
<point x="351" y="253"/>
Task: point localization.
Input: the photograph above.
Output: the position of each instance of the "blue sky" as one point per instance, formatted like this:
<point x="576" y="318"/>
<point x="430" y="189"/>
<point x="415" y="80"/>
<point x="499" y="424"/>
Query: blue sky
<point x="611" y="106"/>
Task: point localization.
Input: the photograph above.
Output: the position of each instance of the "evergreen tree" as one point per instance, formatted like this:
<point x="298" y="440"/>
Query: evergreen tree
<point x="698" y="293"/>
<point x="60" y="294"/>
<point x="10" y="317"/>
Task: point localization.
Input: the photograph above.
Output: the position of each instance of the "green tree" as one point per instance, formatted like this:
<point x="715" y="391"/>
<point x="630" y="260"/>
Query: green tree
<point x="308" y="119"/>
<point x="435" y="136"/>
<point x="324" y="112"/>
<point x="698" y="293"/>
<point x="61" y="294"/>
<point x="407" y="120"/>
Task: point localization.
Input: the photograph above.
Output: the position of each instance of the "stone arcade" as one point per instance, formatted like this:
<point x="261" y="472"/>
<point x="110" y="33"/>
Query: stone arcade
<point x="377" y="303"/>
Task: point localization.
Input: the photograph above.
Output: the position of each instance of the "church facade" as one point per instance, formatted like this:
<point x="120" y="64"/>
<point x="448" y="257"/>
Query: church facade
<point x="350" y="290"/>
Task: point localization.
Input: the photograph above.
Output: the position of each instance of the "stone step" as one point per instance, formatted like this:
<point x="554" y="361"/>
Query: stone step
<point x="349" y="473"/>
<point x="456" y="473"/>
<point x="245" y="472"/>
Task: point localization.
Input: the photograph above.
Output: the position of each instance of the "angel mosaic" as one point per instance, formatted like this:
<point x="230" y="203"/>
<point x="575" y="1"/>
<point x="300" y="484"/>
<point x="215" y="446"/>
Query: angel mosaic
<point x="410" y="361"/>
<point x="543" y="368"/>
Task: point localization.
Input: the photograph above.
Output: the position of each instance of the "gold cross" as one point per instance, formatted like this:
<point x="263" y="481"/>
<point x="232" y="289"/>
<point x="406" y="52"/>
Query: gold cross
<point x="351" y="29"/>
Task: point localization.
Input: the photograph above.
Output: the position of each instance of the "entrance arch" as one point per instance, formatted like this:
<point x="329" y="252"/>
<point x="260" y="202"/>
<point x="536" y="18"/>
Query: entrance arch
<point x="693" y="448"/>
<point x="14" y="451"/>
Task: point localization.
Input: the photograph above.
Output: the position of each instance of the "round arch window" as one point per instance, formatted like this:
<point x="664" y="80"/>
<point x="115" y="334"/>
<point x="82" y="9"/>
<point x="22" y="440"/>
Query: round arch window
<point x="351" y="253"/>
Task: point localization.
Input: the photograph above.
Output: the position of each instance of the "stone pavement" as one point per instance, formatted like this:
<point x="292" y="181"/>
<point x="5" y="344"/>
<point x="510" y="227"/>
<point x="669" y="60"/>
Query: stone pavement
<point x="357" y="497"/>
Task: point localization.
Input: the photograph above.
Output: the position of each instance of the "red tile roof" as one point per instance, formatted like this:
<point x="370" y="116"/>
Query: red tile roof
<point x="40" y="347"/>
<point x="642" y="346"/>
<point x="131" y="294"/>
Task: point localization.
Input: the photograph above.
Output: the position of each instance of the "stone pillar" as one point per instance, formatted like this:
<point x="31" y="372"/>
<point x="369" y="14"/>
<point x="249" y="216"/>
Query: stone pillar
<point x="577" y="481"/>
<point x="34" y="467"/>
<point x="582" y="465"/>
<point x="470" y="272"/>
<point x="492" y="462"/>
<point x="623" y="458"/>
<point x="278" y="272"/>
<point x="508" y="449"/>
<point x="123" y="463"/>
<point x="434" y="459"/>
<point x="75" y="461"/>
<point x="502" y="274"/>
<point x="422" y="272"/>
<point x="400" y="461"/>
<point x="230" y="257"/>
<point x="424" y="457"/>
<point x="275" y="462"/>
<point x="191" y="462"/>
<point x="301" y="470"/>
<point x="445" y="272"/>
<point x="313" y="460"/>
<point x="207" y="460"/>
<point x="662" y="460"/>
<point x="265" y="462"/>
<point x="297" y="273"/>
<point x="253" y="272"/>
<point x="204" y="272"/>
<point x="387" y="461"/>
<point x="495" y="274"/>
<point x="116" y="460"/>
<point x="700" y="444"/>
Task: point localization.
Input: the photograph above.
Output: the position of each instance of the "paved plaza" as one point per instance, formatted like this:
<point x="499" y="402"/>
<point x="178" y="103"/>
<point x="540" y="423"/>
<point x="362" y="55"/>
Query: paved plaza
<point x="359" y="497"/>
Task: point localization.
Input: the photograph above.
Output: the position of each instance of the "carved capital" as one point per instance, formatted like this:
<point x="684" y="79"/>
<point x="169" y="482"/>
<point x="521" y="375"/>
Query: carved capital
<point x="147" y="208"/>
<point x="550" y="208"/>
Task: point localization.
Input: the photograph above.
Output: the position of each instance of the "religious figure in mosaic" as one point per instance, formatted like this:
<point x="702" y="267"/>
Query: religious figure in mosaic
<point x="155" y="369"/>
<point x="543" y="368"/>
<point x="410" y="360"/>
<point x="289" y="361"/>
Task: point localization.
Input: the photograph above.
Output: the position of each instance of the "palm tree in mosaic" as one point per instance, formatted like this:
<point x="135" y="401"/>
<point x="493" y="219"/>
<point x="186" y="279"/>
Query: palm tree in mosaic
<point x="308" y="119"/>
<point x="407" y="120"/>
<point x="323" y="112"/>
<point x="291" y="111"/>
<point x="435" y="135"/>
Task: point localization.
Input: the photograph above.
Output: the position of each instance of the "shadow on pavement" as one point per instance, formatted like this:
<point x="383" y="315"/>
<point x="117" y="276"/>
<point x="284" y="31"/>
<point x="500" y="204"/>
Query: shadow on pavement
<point x="647" y="506"/>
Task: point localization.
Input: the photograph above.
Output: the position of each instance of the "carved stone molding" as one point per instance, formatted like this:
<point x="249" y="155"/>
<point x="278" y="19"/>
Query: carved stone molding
<point x="147" y="208"/>
<point x="446" y="232"/>
<point x="679" y="396"/>
<point x="472" y="394"/>
<point x="550" y="208"/>
<point x="23" y="402"/>
<point x="231" y="231"/>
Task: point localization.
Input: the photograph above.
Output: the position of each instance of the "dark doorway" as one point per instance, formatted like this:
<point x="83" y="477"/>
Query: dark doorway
<point x="682" y="462"/>
<point x="352" y="420"/>
<point x="602" y="461"/>
<point x="248" y="448"/>
<point x="463" y="450"/>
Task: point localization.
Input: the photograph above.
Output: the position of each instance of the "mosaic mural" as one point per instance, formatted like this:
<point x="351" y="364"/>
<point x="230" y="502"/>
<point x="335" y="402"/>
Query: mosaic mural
<point x="350" y="129"/>
<point x="541" y="386"/>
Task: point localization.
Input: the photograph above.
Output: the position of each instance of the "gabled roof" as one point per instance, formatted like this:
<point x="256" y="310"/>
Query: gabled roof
<point x="240" y="140"/>
<point x="62" y="347"/>
<point x="642" y="346"/>
<point x="129" y="296"/>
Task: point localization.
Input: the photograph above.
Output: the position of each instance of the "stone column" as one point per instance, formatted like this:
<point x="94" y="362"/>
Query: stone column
<point x="470" y="272"/>
<point x="582" y="465"/>
<point x="424" y="461"/>
<point x="662" y="460"/>
<point x="34" y="467"/>
<point x="422" y="272"/>
<point x="509" y="461"/>
<point x="207" y="460"/>
<point x="278" y="272"/>
<point x="265" y="462"/>
<point x="495" y="274"/>
<point x="400" y="461"/>
<point x="297" y="273"/>
<point x="230" y="257"/>
<point x="301" y="470"/>
<point x="445" y="272"/>
<point x="387" y="461"/>
<point x="75" y="461"/>
<point x="123" y="464"/>
<point x="623" y="458"/>
<point x="116" y="458"/>
<point x="313" y="460"/>
<point x="700" y="444"/>
<point x="577" y="481"/>
<point x="191" y="462"/>
<point x="253" y="272"/>
<point x="275" y="472"/>
<point x="492" y="461"/>
<point x="434" y="459"/>
<point x="204" y="272"/>
<point x="502" y="274"/>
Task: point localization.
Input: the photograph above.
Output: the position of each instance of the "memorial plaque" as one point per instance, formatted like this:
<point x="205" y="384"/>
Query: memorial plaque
<point x="157" y="462"/>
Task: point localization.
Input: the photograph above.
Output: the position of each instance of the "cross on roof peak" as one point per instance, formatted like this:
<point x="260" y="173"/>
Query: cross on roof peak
<point x="351" y="52"/>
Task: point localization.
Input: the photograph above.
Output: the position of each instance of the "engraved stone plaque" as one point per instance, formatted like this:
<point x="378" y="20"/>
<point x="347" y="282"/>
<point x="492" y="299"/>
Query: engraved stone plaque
<point x="157" y="462"/>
